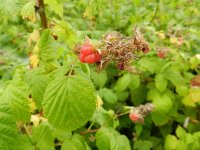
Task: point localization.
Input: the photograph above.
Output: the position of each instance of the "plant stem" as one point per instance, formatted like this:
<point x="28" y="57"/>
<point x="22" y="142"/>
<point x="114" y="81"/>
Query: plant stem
<point x="89" y="131"/>
<point x="125" y="113"/>
<point x="41" y="11"/>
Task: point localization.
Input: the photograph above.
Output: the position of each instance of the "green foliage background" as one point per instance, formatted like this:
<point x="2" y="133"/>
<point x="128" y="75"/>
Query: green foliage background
<point x="69" y="102"/>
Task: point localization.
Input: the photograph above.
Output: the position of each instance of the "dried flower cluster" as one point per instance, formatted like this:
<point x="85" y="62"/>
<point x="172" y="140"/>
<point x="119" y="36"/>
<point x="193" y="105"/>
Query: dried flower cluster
<point x="137" y="114"/>
<point x="119" y="49"/>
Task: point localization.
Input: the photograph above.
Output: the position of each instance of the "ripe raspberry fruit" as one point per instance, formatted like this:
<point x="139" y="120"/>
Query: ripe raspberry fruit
<point x="90" y="59"/>
<point x="161" y="54"/>
<point x="97" y="57"/>
<point x="82" y="58"/>
<point x="87" y="49"/>
<point x="134" y="117"/>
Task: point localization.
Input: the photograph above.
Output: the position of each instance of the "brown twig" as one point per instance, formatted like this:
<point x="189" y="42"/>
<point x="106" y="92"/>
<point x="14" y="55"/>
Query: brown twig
<point x="41" y="10"/>
<point x="89" y="131"/>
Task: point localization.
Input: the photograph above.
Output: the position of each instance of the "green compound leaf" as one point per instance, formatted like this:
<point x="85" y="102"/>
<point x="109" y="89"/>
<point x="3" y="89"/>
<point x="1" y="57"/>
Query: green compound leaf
<point x="42" y="136"/>
<point x="110" y="139"/>
<point x="160" y="82"/>
<point x="169" y="140"/>
<point x="8" y="130"/>
<point x="69" y="102"/>
<point x="108" y="95"/>
<point x="105" y="118"/>
<point x="143" y="145"/>
<point x="99" y="79"/>
<point x="16" y="96"/>
<point x="56" y="6"/>
<point x="76" y="142"/>
<point x="123" y="82"/>
<point x="37" y="82"/>
<point x="163" y="106"/>
<point x="47" y="47"/>
<point x="28" y="11"/>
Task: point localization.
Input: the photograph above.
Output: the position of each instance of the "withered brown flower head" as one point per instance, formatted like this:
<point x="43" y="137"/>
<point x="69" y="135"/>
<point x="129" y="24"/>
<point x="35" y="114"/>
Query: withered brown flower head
<point x="119" y="49"/>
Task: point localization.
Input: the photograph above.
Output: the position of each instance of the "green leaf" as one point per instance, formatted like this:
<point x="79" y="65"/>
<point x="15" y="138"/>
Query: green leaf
<point x="181" y="145"/>
<point x="28" y="11"/>
<point x="189" y="139"/>
<point x="182" y="90"/>
<point x="192" y="98"/>
<point x="138" y="95"/>
<point x="163" y="106"/>
<point x="100" y="78"/>
<point x="66" y="33"/>
<point x="66" y="109"/>
<point x="159" y="118"/>
<point x="37" y="82"/>
<point x="168" y="142"/>
<point x="16" y="96"/>
<point x="174" y="76"/>
<point x="160" y="82"/>
<point x="42" y="136"/>
<point x="150" y="64"/>
<point x="105" y="118"/>
<point x="108" y="95"/>
<point x="153" y="93"/>
<point x="110" y="139"/>
<point x="143" y="145"/>
<point x="8" y="130"/>
<point x="76" y="142"/>
<point x="56" y="6"/>
<point x="24" y="143"/>
<point x="135" y="82"/>
<point x="180" y="132"/>
<point x="123" y="82"/>
<point x="10" y="7"/>
<point x="122" y="96"/>
<point x="47" y="47"/>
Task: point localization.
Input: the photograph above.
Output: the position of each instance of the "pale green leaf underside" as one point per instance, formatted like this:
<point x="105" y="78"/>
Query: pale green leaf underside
<point x="69" y="102"/>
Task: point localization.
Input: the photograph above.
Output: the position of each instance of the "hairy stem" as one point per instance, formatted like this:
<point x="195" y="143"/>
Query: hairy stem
<point x="41" y="10"/>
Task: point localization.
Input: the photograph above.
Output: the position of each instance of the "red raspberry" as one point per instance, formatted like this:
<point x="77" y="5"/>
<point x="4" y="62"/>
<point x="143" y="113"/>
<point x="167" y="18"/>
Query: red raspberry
<point x="82" y="58"/>
<point x="134" y="117"/>
<point x="86" y="49"/>
<point x="161" y="54"/>
<point x="98" y="57"/>
<point x="90" y="59"/>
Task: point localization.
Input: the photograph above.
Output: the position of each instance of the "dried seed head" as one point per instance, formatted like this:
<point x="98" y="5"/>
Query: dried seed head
<point x="120" y="49"/>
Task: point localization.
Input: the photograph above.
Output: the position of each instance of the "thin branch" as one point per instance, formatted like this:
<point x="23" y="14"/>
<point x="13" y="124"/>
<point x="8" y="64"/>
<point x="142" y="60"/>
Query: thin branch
<point x="125" y="113"/>
<point x="41" y="10"/>
<point x="89" y="131"/>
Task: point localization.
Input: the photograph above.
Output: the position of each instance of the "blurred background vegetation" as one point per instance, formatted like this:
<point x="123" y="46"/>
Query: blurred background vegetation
<point x="169" y="72"/>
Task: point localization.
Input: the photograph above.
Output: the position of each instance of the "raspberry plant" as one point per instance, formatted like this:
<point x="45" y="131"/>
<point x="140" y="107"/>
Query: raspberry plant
<point x="106" y="75"/>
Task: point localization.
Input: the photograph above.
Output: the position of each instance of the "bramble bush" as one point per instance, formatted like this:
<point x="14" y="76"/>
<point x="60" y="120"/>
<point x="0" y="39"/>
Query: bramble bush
<point x="106" y="75"/>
